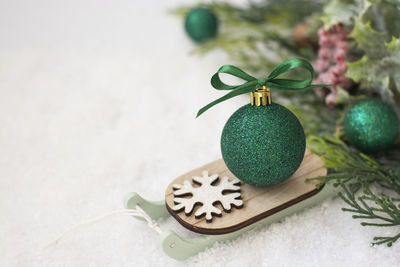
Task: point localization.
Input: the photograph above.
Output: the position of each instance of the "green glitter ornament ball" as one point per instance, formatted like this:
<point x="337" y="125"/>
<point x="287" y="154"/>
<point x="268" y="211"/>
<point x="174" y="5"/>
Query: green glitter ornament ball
<point x="263" y="145"/>
<point x="201" y="24"/>
<point x="371" y="126"/>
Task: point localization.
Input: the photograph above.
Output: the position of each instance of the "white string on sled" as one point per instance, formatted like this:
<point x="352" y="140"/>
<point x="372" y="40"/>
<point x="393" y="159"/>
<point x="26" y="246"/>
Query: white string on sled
<point x="138" y="212"/>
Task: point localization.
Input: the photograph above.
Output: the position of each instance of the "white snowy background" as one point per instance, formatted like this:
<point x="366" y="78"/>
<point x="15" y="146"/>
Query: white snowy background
<point x="98" y="99"/>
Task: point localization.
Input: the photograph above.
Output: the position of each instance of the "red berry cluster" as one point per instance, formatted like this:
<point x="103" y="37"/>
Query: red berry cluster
<point x="331" y="62"/>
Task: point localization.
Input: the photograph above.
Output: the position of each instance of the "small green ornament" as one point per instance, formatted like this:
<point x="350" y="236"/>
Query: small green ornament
<point x="371" y="126"/>
<point x="201" y="24"/>
<point x="263" y="145"/>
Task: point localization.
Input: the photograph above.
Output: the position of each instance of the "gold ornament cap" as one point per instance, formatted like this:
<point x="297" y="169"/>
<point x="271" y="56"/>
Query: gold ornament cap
<point x="261" y="97"/>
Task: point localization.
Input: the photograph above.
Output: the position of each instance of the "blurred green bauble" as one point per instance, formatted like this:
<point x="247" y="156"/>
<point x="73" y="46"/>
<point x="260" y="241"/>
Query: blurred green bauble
<point x="201" y="24"/>
<point x="371" y="126"/>
<point x="263" y="145"/>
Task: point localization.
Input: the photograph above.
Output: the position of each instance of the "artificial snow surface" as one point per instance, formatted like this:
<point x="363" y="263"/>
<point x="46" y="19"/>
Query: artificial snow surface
<point x="98" y="99"/>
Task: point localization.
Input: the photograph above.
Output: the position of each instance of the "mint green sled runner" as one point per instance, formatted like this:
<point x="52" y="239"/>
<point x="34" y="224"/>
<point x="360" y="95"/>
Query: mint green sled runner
<point x="180" y="248"/>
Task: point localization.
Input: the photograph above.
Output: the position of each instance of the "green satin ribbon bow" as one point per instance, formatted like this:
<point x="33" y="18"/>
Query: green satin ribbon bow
<point x="270" y="82"/>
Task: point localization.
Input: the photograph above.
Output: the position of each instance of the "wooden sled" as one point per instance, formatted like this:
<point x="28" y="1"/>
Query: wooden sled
<point x="261" y="206"/>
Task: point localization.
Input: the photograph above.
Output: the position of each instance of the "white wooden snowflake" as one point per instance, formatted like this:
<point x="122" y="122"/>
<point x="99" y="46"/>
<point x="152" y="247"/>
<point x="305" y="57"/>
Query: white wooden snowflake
<point x="207" y="194"/>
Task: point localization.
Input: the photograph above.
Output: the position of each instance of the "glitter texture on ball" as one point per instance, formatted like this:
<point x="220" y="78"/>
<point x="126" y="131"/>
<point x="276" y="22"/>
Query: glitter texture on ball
<point x="201" y="24"/>
<point x="371" y="126"/>
<point x="263" y="145"/>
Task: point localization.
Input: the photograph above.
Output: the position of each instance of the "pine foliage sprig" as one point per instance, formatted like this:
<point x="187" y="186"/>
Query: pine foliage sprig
<point x="370" y="189"/>
<point x="259" y="36"/>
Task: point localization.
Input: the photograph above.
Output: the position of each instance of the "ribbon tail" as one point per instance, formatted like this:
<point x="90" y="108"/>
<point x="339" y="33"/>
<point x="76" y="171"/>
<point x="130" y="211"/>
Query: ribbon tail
<point x="295" y="88"/>
<point x="246" y="88"/>
<point x="318" y="85"/>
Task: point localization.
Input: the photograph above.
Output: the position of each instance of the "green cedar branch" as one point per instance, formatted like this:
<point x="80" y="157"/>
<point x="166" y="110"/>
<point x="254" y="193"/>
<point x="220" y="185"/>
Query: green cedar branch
<point x="370" y="188"/>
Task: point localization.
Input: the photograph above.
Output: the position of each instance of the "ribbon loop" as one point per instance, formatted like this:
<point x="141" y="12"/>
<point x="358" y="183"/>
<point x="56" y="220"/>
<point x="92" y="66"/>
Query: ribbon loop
<point x="252" y="83"/>
<point x="232" y="70"/>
